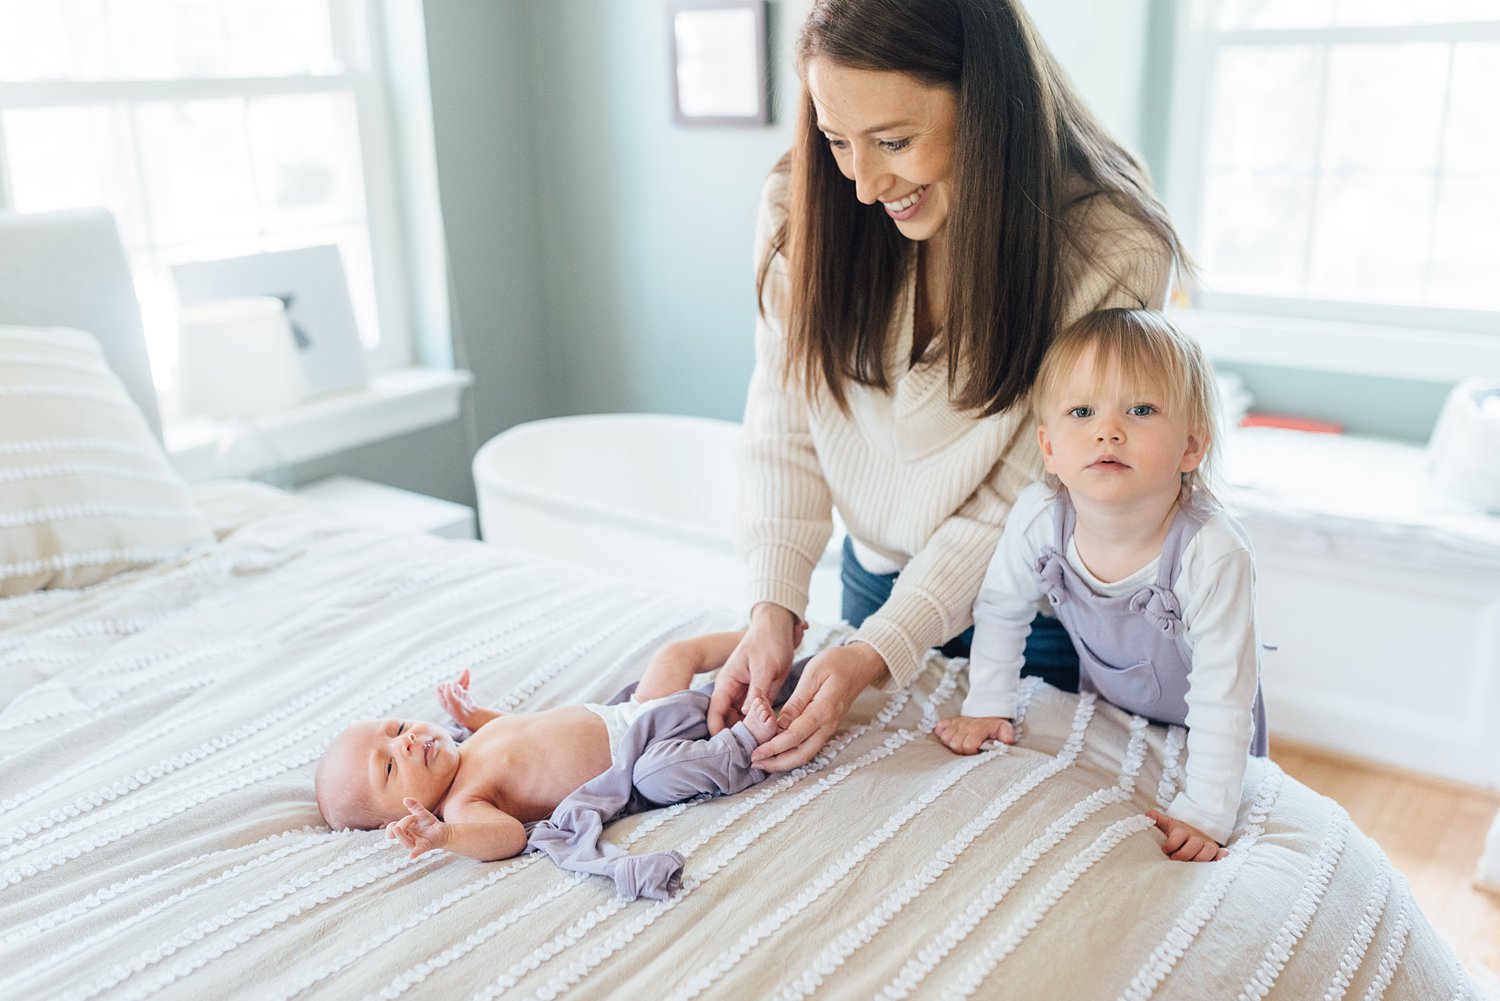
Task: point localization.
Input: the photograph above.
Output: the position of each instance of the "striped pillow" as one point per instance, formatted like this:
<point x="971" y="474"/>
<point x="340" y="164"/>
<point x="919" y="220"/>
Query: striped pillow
<point x="85" y="488"/>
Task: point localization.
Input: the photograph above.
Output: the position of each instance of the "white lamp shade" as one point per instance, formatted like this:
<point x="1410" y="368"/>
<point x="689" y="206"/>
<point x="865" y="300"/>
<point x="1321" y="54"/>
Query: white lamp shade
<point x="238" y="358"/>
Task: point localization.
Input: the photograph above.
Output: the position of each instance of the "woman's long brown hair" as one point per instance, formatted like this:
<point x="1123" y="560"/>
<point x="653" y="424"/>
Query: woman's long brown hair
<point x="1021" y="135"/>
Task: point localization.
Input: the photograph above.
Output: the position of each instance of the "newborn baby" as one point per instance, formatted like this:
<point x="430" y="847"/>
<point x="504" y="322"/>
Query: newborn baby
<point x="547" y="780"/>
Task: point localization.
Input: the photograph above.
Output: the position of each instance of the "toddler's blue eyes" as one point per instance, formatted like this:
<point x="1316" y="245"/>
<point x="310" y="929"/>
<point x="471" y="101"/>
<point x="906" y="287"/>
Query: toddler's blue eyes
<point x="1142" y="410"/>
<point x="1081" y="412"/>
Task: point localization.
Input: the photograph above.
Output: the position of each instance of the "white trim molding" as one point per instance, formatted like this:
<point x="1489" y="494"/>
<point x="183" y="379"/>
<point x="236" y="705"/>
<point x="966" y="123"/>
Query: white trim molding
<point x="1441" y="356"/>
<point x="391" y="403"/>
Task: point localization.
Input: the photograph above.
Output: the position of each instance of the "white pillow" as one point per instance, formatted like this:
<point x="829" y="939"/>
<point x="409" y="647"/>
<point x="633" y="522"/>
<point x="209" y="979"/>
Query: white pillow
<point x="85" y="488"/>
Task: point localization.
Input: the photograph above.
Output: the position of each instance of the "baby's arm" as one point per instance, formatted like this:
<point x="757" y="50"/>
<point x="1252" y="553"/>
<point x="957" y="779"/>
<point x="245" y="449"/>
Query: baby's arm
<point x="481" y="832"/>
<point x="1217" y="595"/>
<point x="673" y="666"/>
<point x="1002" y="620"/>
<point x="457" y="702"/>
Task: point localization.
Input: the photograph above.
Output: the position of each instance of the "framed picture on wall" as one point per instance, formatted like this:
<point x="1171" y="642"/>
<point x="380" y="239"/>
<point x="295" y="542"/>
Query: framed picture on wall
<point x="719" y="70"/>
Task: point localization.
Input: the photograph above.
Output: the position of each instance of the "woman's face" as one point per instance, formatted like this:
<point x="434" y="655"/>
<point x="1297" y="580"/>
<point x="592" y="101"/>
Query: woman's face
<point x="892" y="135"/>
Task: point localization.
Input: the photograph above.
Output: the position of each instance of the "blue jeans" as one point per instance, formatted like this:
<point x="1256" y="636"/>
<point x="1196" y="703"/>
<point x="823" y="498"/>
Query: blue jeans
<point x="1049" y="650"/>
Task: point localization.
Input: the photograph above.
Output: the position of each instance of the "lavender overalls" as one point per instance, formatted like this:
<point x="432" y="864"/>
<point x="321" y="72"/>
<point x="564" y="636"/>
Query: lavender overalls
<point x="666" y="756"/>
<point x="1131" y="647"/>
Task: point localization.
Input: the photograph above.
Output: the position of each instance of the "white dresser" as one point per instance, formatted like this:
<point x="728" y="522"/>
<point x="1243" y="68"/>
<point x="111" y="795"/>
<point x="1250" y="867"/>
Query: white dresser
<point x="1382" y="597"/>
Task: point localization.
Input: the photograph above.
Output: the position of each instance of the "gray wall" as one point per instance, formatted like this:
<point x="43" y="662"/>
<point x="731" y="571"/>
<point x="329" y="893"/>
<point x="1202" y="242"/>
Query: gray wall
<point x="648" y="281"/>
<point x="601" y="255"/>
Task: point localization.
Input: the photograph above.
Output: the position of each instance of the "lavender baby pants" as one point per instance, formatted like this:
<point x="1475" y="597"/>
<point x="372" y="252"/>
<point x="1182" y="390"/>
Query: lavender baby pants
<point x="664" y="757"/>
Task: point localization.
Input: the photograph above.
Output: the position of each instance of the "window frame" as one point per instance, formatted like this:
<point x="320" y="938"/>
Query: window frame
<point x="357" y="33"/>
<point x="1424" y="343"/>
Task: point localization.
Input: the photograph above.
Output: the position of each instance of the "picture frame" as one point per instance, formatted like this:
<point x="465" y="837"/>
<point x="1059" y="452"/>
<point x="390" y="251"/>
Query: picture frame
<point x="310" y="283"/>
<point x="720" y="74"/>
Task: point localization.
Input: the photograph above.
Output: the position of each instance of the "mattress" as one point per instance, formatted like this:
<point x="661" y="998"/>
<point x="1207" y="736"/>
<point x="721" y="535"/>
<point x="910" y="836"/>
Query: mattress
<point x="159" y="838"/>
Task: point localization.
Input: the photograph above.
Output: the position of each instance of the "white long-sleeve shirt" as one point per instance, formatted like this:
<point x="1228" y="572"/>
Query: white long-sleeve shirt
<point x="1215" y="590"/>
<point x="922" y="487"/>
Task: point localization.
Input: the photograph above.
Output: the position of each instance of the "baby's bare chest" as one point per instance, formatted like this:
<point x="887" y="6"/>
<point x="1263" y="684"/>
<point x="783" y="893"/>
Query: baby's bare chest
<point x="528" y="763"/>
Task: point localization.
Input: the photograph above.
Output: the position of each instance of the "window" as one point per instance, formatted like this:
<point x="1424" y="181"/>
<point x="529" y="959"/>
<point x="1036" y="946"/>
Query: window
<point x="1340" y="159"/>
<point x="210" y="128"/>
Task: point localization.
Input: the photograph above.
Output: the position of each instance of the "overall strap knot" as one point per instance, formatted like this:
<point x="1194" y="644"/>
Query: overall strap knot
<point x="1049" y="572"/>
<point x="1159" y="606"/>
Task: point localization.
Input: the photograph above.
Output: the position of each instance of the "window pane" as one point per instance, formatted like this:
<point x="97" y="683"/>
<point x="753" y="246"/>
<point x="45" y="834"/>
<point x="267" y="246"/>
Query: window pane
<point x="1371" y="240"/>
<point x="306" y="155"/>
<point x="63" y="39"/>
<point x="70" y="157"/>
<point x="1265" y="107"/>
<point x="1261" y="14"/>
<point x="1473" y="134"/>
<point x="196" y="163"/>
<point x="1371" y="12"/>
<point x="168" y="39"/>
<point x="1463" y="261"/>
<point x="1385" y="106"/>
<point x="1255" y="232"/>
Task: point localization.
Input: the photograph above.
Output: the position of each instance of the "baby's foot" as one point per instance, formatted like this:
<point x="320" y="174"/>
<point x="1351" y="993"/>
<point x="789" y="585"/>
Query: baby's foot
<point x="760" y="720"/>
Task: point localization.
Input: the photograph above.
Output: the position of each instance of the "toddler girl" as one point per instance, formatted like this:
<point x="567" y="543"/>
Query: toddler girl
<point x="1153" y="580"/>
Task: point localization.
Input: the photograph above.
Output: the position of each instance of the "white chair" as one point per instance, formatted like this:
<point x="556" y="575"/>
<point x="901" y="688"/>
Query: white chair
<point x="642" y="496"/>
<point x="68" y="269"/>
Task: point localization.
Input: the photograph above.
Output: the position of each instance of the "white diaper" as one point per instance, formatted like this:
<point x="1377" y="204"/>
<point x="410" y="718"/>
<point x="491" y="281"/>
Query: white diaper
<point x="617" y="719"/>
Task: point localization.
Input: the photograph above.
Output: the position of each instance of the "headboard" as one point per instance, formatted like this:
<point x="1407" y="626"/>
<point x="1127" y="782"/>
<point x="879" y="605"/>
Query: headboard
<point x="68" y="269"/>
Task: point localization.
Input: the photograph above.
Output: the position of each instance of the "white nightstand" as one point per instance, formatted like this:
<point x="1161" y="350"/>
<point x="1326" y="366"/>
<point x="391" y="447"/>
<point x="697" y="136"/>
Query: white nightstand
<point x="392" y="507"/>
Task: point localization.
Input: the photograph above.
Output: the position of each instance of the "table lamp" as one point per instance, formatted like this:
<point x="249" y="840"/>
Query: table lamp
<point x="237" y="360"/>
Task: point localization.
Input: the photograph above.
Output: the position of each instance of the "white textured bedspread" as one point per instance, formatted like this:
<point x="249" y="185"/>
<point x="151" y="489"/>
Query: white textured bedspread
<point x="158" y="836"/>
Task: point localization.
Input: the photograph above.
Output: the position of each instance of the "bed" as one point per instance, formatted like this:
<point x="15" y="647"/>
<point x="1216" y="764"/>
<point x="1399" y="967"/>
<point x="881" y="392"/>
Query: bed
<point x="160" y="719"/>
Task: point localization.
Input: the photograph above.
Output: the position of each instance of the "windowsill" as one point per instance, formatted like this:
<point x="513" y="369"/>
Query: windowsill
<point x="1440" y="356"/>
<point x="391" y="403"/>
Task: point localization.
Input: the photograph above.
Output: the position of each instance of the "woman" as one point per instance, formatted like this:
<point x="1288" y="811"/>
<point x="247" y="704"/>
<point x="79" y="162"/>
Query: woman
<point x="948" y="204"/>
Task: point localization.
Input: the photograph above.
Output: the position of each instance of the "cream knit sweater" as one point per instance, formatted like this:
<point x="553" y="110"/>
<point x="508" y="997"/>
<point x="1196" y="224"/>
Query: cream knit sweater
<point x="921" y="486"/>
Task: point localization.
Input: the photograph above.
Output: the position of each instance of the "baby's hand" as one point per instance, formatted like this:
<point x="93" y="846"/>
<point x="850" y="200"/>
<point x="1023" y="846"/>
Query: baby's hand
<point x="967" y="734"/>
<point x="419" y="830"/>
<point x="1185" y="843"/>
<point x="456" y="701"/>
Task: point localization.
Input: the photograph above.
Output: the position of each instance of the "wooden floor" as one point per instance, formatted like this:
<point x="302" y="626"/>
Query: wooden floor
<point x="1433" y="831"/>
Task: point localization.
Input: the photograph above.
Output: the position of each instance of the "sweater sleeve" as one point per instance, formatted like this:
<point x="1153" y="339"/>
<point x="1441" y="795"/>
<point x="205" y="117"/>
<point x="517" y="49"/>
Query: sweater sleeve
<point x="933" y="598"/>
<point x="785" y="515"/>
<point x="1121" y="265"/>
<point x="1217" y="590"/>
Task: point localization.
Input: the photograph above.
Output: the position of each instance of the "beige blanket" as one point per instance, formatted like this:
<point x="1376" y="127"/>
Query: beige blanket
<point x="158" y="836"/>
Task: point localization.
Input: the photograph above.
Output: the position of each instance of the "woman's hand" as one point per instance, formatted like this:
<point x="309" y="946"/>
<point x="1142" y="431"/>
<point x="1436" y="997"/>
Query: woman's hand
<point x="758" y="665"/>
<point x="830" y="683"/>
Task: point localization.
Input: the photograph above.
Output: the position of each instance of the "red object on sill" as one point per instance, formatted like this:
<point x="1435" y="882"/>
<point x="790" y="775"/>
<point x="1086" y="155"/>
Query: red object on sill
<point x="1291" y="423"/>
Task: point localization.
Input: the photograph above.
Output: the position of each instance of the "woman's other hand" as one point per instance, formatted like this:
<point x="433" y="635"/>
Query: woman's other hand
<point x="757" y="667"/>
<point x="830" y="683"/>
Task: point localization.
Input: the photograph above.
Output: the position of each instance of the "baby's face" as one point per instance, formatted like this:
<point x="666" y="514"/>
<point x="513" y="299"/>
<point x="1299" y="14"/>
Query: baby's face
<point x="381" y="762"/>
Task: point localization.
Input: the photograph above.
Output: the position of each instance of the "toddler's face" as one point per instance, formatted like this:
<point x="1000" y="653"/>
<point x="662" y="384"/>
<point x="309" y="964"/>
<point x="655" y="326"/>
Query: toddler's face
<point x="1114" y="443"/>
<point x="378" y="763"/>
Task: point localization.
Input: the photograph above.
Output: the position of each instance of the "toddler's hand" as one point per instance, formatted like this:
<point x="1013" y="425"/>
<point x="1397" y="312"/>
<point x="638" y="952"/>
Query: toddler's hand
<point x="967" y="734"/>
<point x="456" y="701"/>
<point x="419" y="830"/>
<point x="1185" y="843"/>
